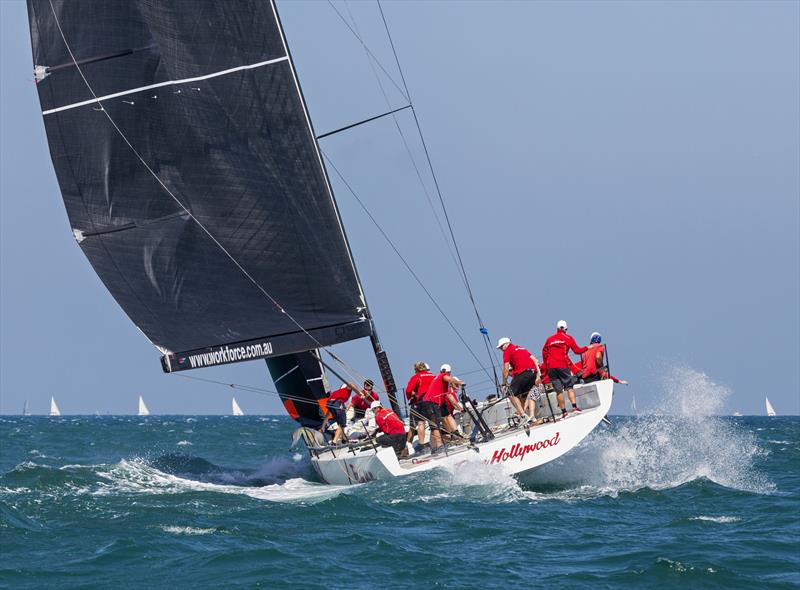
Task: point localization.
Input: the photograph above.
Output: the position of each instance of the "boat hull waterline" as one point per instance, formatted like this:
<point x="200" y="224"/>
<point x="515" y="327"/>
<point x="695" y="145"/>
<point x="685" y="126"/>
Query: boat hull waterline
<point x="515" y="451"/>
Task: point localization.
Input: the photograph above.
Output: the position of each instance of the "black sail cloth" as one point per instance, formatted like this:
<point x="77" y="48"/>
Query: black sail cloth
<point x="244" y="191"/>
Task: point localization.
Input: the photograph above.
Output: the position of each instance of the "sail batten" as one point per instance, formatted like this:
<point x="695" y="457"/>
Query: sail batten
<point x="191" y="175"/>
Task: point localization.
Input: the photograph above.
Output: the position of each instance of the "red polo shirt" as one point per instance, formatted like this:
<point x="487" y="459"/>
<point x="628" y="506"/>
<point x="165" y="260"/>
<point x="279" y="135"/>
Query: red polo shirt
<point x="519" y="359"/>
<point x="555" y="353"/>
<point x="388" y="422"/>
<point x="418" y="386"/>
<point x="340" y="394"/>
<point x="436" y="390"/>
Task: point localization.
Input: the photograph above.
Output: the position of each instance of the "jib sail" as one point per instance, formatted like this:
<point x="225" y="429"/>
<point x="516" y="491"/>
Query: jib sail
<point x="192" y="178"/>
<point x="300" y="381"/>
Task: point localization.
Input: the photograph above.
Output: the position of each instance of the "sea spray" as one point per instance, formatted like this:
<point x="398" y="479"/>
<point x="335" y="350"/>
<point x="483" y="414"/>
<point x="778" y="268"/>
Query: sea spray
<point x="682" y="440"/>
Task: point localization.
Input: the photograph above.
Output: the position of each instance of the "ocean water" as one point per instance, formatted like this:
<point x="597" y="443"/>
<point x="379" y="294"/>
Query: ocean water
<point x="668" y="500"/>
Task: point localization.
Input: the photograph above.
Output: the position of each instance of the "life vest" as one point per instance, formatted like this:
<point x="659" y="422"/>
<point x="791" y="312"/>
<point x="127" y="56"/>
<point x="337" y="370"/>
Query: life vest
<point x="589" y="360"/>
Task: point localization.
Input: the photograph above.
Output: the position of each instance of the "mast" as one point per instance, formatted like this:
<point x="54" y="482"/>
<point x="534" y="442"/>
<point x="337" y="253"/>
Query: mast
<point x="380" y="354"/>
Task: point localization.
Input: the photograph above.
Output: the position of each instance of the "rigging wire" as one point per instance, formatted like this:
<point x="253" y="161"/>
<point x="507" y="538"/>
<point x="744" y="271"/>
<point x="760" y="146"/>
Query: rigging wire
<point x="413" y="160"/>
<point x="277" y="305"/>
<point x="482" y="326"/>
<point x="402" y="258"/>
<point x="372" y="55"/>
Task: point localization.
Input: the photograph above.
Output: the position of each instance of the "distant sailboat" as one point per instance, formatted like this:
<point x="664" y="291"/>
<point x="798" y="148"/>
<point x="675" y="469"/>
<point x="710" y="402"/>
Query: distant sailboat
<point x="25" y="410"/>
<point x="770" y="409"/>
<point x="633" y="406"/>
<point x="737" y="414"/>
<point x="54" y="411"/>
<point x="143" y="411"/>
<point x="237" y="411"/>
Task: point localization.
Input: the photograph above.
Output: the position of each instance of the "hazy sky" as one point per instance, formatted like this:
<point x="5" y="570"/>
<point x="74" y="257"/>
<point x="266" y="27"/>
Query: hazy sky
<point x="633" y="168"/>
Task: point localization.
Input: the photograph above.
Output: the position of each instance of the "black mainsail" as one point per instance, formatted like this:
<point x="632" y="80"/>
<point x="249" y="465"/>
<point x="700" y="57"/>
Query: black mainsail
<point x="192" y="178"/>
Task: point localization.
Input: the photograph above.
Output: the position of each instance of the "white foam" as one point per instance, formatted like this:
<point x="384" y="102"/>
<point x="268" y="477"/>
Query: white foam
<point x="718" y="519"/>
<point x="184" y="443"/>
<point x="681" y="442"/>
<point x="137" y="477"/>
<point x="186" y="530"/>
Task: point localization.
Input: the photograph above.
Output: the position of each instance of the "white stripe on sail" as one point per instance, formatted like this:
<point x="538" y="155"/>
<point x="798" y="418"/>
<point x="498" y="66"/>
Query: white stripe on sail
<point x="167" y="83"/>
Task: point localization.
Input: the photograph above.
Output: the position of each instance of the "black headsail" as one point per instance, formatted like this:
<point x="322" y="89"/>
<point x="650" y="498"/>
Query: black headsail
<point x="192" y="178"/>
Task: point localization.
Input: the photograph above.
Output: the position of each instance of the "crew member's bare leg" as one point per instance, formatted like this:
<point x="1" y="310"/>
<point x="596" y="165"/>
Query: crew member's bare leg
<point x="517" y="405"/>
<point x="571" y="393"/>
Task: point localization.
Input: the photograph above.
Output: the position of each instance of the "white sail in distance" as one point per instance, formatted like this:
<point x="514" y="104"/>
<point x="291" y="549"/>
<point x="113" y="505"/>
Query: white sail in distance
<point x="54" y="411"/>
<point x="770" y="409"/>
<point x="237" y="411"/>
<point x="143" y="411"/>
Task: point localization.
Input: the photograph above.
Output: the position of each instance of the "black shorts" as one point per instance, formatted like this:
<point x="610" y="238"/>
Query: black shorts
<point x="414" y="415"/>
<point x="522" y="383"/>
<point x="432" y="413"/>
<point x="444" y="409"/>
<point x="339" y="413"/>
<point x="593" y="378"/>
<point x="560" y="378"/>
<point x="396" y="441"/>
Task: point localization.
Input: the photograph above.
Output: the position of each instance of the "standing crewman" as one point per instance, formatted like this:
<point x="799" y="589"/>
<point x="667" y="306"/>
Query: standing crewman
<point x="415" y="391"/>
<point x="392" y="427"/>
<point x="555" y="355"/>
<point x="431" y="406"/>
<point x="525" y="374"/>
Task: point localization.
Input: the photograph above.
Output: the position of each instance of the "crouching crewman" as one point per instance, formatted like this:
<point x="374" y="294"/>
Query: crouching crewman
<point x="393" y="429"/>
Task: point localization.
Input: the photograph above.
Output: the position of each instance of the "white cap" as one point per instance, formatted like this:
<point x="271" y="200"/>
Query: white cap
<point x="375" y="404"/>
<point x="594" y="334"/>
<point x="503" y="341"/>
<point x="445" y="368"/>
<point x="561" y="324"/>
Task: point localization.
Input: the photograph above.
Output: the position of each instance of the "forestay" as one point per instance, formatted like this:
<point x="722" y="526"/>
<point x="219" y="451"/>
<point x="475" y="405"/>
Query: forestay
<point x="191" y="176"/>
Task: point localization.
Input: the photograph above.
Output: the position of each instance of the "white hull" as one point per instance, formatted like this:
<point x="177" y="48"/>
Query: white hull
<point x="514" y="451"/>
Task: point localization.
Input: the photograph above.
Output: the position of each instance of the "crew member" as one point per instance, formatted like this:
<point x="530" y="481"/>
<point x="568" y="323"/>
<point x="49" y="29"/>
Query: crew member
<point x="431" y="406"/>
<point x="362" y="399"/>
<point x="525" y="374"/>
<point x="415" y="390"/>
<point x="337" y="408"/>
<point x="392" y="427"/>
<point x="449" y="407"/>
<point x="593" y="362"/>
<point x="555" y="355"/>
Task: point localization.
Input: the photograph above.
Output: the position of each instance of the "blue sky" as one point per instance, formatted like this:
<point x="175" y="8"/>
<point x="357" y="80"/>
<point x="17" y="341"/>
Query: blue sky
<point x="632" y="168"/>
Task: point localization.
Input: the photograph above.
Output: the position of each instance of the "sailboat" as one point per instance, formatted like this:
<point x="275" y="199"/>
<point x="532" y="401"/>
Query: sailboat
<point x="143" y="411"/>
<point x="770" y="409"/>
<point x="54" y="411"/>
<point x="235" y="409"/>
<point x="25" y="410"/>
<point x="214" y="224"/>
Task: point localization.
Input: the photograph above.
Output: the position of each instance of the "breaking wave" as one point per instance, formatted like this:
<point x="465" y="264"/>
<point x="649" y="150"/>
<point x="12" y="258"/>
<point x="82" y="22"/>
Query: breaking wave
<point x="680" y="442"/>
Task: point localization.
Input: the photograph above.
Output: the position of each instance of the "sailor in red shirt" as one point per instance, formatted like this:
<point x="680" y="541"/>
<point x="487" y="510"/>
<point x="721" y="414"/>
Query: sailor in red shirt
<point x="392" y="427"/>
<point x="362" y="399"/>
<point x="450" y="406"/>
<point x="431" y="406"/>
<point x="337" y="407"/>
<point x="555" y="355"/>
<point x="593" y="362"/>
<point x="415" y="390"/>
<point x="525" y="375"/>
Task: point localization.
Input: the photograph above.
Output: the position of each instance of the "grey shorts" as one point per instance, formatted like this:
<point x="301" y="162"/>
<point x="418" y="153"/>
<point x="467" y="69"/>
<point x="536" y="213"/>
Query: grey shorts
<point x="560" y="378"/>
